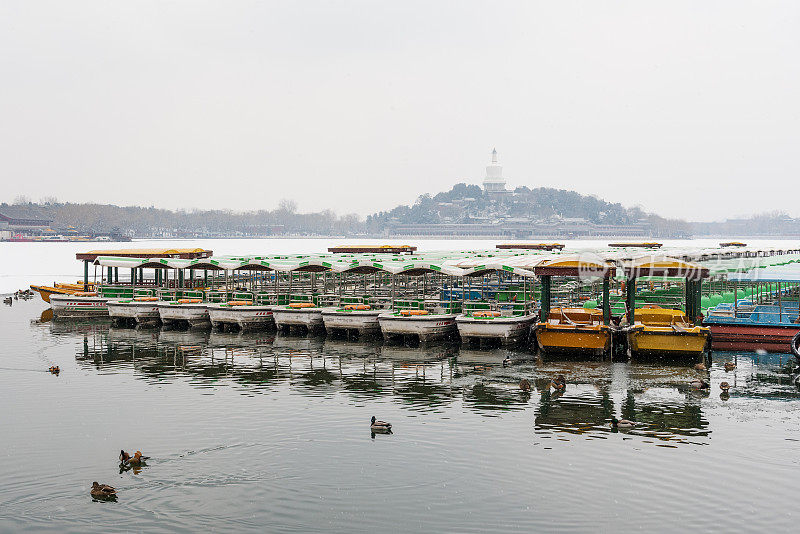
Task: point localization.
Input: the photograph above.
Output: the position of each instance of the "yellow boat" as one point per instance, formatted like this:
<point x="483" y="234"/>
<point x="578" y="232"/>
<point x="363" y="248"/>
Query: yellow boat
<point x="574" y="330"/>
<point x="666" y="332"/>
<point x="60" y="289"/>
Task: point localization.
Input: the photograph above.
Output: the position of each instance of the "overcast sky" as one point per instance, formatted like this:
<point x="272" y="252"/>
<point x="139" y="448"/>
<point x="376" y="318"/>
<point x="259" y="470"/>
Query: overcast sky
<point x="686" y="108"/>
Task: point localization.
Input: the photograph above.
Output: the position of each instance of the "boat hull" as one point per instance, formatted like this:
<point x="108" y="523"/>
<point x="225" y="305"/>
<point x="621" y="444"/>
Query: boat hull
<point x="73" y="307"/>
<point x="309" y="318"/>
<point x="245" y="317"/>
<point x="426" y="327"/>
<point x="365" y="322"/>
<point x="666" y="342"/>
<point x="195" y="315"/>
<point x="751" y="337"/>
<point x="567" y="339"/>
<point x="508" y="330"/>
<point x="140" y="312"/>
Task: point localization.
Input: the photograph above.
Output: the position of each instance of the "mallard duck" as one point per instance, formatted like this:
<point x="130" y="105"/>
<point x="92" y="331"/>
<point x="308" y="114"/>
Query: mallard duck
<point x="730" y="366"/>
<point x="724" y="386"/>
<point x="136" y="459"/>
<point x="700" y="367"/>
<point x="699" y="384"/>
<point x="524" y="385"/>
<point x="623" y="424"/>
<point x="380" y="426"/>
<point x="54" y="369"/>
<point x="102" y="490"/>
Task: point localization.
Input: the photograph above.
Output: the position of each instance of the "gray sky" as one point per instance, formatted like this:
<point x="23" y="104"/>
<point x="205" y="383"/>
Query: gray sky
<point x="687" y="108"/>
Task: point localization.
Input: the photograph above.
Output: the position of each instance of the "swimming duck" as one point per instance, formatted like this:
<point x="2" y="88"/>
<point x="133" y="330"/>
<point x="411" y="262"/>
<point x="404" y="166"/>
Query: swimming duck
<point x="724" y="386"/>
<point x="621" y="424"/>
<point x="559" y="383"/>
<point x="524" y="385"/>
<point x="700" y="367"/>
<point x="136" y="459"/>
<point x="699" y="384"/>
<point x="102" y="490"/>
<point x="54" y="369"/>
<point x="730" y="366"/>
<point x="506" y="361"/>
<point x="380" y="426"/>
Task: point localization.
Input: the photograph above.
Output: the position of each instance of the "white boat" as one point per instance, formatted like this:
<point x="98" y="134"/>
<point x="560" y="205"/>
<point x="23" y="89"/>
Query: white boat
<point x="294" y="316"/>
<point x="425" y="326"/>
<point x="244" y="315"/>
<point x="141" y="310"/>
<point x="347" y="319"/>
<point x="78" y="307"/>
<point x="492" y="325"/>
<point x="191" y="311"/>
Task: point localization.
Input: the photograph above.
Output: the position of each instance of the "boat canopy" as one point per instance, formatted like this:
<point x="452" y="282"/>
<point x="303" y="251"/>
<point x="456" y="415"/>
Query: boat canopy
<point x="183" y="253"/>
<point x="141" y="263"/>
<point x="481" y="270"/>
<point x="663" y="266"/>
<point x="766" y="275"/>
<point x="580" y="265"/>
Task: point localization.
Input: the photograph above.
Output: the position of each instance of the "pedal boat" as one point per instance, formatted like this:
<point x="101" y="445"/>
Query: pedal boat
<point x="192" y="311"/>
<point x="242" y="314"/>
<point x="665" y="332"/>
<point x="573" y="331"/>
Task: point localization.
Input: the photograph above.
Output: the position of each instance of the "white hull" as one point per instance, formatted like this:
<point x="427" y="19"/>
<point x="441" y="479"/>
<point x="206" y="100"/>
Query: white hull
<point x="72" y="307"/>
<point x="363" y="321"/>
<point x="506" y="329"/>
<point x="245" y="317"/>
<point x="425" y="327"/>
<point x="141" y="312"/>
<point x="194" y="314"/>
<point x="311" y="318"/>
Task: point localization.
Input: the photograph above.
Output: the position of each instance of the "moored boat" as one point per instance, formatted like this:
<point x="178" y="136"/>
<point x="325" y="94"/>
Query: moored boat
<point x="242" y="314"/>
<point x="304" y="315"/>
<point x="191" y="311"/>
<point x="140" y="310"/>
<point x="78" y="306"/>
<point x="574" y="331"/>
<point x="423" y="325"/>
<point x="771" y="326"/>
<point x="359" y="318"/>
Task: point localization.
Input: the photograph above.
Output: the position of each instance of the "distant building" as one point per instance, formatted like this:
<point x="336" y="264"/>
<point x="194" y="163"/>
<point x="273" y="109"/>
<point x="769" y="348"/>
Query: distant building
<point x="25" y="226"/>
<point x="494" y="183"/>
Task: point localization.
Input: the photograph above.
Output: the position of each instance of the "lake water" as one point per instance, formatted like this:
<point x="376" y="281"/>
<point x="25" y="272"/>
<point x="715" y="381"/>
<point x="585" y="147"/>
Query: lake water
<point x="257" y="432"/>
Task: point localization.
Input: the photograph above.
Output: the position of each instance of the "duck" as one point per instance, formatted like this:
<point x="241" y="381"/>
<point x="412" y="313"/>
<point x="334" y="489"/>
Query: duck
<point x="699" y="384"/>
<point x="559" y="383"/>
<point x="380" y="426"/>
<point x="54" y="369"/>
<point x="621" y="424"/>
<point x="136" y="459"/>
<point x="724" y="386"/>
<point x="730" y="366"/>
<point x="700" y="367"/>
<point x="506" y="361"/>
<point x="102" y="490"/>
<point x="524" y="385"/>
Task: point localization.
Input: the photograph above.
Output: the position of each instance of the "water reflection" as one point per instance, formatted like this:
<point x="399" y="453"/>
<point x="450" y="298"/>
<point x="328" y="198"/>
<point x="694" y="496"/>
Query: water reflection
<point x="666" y="410"/>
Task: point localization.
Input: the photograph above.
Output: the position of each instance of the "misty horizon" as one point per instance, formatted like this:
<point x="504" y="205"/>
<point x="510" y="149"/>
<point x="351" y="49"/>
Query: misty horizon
<point x="360" y="107"/>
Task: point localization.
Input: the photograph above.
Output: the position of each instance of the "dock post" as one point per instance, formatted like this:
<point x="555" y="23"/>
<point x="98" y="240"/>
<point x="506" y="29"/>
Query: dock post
<point x="545" y="310"/>
<point x="630" y="299"/>
<point x="606" y="303"/>
<point x="86" y="275"/>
